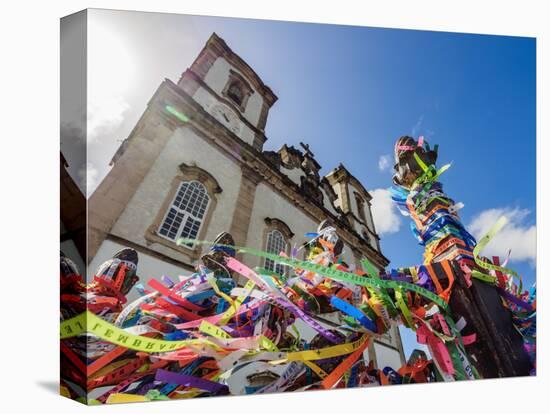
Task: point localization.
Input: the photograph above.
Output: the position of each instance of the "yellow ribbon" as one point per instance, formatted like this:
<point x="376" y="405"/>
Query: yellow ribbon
<point x="228" y="314"/>
<point x="91" y="323"/>
<point x="329" y="352"/>
<point x="481" y="245"/>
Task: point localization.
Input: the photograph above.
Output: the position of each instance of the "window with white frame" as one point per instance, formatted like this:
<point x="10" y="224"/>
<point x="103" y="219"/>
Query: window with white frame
<point x="275" y="244"/>
<point x="186" y="213"/>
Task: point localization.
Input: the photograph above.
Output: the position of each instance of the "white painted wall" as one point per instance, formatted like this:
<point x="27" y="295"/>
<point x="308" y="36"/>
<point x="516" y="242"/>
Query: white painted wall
<point x="368" y="217"/>
<point x="355" y="208"/>
<point x="270" y="204"/>
<point x="184" y="146"/>
<point x="338" y="190"/>
<point x="294" y="174"/>
<point x="347" y="255"/>
<point x="210" y="103"/>
<point x="218" y="75"/>
<point x="327" y="203"/>
<point x="386" y="356"/>
<point x="358" y="227"/>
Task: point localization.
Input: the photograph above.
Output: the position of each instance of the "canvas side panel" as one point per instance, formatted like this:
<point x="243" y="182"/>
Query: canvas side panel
<point x="73" y="347"/>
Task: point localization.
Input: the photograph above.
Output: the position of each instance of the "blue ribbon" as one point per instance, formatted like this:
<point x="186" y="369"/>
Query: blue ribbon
<point x="355" y="313"/>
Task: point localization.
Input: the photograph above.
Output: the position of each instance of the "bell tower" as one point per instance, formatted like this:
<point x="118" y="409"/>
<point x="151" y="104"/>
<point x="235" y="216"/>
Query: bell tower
<point x="355" y="203"/>
<point x="229" y="90"/>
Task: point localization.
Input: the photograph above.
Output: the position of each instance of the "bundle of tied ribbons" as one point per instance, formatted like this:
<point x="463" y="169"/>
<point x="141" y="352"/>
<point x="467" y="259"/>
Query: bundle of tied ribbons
<point x="436" y="225"/>
<point x="206" y="334"/>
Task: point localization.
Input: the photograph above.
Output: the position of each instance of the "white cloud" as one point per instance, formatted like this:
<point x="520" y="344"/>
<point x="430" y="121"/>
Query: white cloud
<point x="384" y="213"/>
<point x="105" y="115"/>
<point x="112" y="71"/>
<point x="384" y="162"/>
<point x="516" y="235"/>
<point x="88" y="179"/>
<point x="415" y="129"/>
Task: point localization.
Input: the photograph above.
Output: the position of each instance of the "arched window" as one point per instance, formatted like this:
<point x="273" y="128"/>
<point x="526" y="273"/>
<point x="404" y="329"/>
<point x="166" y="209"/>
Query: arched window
<point x="185" y="215"/>
<point x="186" y="210"/>
<point x="275" y="244"/>
<point x="235" y="92"/>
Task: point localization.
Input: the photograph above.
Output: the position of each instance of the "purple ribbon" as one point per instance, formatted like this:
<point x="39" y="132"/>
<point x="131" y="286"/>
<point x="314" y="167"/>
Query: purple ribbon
<point x="423" y="278"/>
<point x="167" y="281"/>
<point x="190" y="381"/>
<point x="307" y="319"/>
<point x="143" y="389"/>
<point x="515" y="300"/>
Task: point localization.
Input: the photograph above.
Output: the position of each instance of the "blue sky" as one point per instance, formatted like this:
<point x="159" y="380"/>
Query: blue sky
<point x="351" y="91"/>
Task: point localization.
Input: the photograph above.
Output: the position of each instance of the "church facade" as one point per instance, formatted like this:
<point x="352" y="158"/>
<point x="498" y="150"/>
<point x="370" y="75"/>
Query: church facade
<point x="194" y="165"/>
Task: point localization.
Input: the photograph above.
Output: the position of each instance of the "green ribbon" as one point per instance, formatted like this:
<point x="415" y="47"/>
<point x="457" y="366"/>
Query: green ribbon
<point x="332" y="273"/>
<point x="481" y="245"/>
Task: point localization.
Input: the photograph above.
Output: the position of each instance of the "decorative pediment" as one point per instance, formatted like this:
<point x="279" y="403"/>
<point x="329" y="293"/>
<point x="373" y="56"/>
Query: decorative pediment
<point x="279" y="225"/>
<point x="194" y="172"/>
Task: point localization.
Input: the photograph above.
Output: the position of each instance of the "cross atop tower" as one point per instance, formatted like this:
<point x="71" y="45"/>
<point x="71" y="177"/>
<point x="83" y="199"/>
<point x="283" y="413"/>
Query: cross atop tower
<point x="307" y="150"/>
